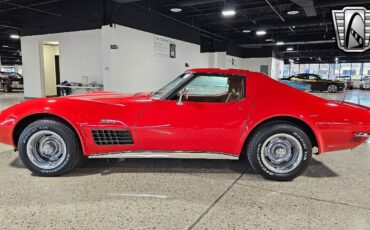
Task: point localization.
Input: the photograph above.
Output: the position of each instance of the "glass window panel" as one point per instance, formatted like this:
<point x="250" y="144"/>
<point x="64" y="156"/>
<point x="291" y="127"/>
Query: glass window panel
<point x="345" y="69"/>
<point x="324" y="71"/>
<point x="208" y="85"/>
<point x="314" y="68"/>
<point x="366" y="70"/>
<point x="286" y="70"/>
<point x="294" y="69"/>
<point x="356" y="71"/>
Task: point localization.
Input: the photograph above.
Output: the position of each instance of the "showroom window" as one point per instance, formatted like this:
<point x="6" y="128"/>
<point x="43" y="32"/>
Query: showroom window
<point x="331" y="70"/>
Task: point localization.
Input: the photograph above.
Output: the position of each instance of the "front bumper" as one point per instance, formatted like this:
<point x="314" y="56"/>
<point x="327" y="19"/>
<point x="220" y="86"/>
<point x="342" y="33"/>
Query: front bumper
<point x="16" y="85"/>
<point x="6" y="127"/>
<point x="365" y="86"/>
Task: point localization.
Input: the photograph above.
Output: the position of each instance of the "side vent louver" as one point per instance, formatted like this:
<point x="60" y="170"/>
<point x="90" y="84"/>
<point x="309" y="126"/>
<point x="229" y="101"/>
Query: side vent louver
<point x="112" y="137"/>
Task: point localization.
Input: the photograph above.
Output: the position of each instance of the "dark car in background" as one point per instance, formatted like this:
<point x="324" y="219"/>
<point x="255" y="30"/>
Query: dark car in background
<point x="10" y="81"/>
<point x="317" y="83"/>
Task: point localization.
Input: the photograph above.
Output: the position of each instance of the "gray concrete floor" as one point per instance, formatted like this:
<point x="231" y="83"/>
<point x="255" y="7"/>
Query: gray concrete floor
<point x="187" y="194"/>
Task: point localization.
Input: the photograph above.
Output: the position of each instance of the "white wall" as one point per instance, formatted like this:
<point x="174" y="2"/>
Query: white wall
<point x="48" y="62"/>
<point x="133" y="67"/>
<point x="80" y="55"/>
<point x="277" y="68"/>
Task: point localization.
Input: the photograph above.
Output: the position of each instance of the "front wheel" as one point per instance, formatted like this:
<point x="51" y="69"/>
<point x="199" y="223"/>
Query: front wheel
<point x="49" y="148"/>
<point x="279" y="151"/>
<point x="332" y="88"/>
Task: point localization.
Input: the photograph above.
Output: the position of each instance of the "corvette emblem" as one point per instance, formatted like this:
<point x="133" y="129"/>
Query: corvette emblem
<point x="352" y="28"/>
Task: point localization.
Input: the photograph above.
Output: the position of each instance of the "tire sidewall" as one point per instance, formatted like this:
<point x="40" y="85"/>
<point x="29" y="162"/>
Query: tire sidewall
<point x="332" y="91"/>
<point x="64" y="132"/>
<point x="263" y="135"/>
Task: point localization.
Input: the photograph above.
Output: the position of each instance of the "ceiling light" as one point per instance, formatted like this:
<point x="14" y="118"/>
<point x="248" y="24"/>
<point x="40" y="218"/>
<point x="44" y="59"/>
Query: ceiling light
<point x="228" y="13"/>
<point x="247" y="31"/>
<point x="14" y="36"/>
<point x="279" y="43"/>
<point x="5" y="46"/>
<point x="289" y="49"/>
<point x="293" y="12"/>
<point x="297" y="59"/>
<point x="176" y="10"/>
<point x="269" y="40"/>
<point x="260" y="32"/>
<point x="291" y="60"/>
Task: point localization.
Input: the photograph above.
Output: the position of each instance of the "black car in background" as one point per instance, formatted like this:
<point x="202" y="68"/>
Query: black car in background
<point x="10" y="81"/>
<point x="317" y="83"/>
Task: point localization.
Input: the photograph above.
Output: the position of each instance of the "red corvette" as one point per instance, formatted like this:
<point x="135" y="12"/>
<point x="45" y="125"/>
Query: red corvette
<point x="204" y="113"/>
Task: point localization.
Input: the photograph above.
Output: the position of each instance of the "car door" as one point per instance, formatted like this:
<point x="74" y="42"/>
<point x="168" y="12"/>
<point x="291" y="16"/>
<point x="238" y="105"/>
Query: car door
<point x="316" y="83"/>
<point x="211" y="120"/>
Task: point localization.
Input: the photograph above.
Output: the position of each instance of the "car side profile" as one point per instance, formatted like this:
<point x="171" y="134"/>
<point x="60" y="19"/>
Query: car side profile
<point x="204" y="113"/>
<point x="317" y="83"/>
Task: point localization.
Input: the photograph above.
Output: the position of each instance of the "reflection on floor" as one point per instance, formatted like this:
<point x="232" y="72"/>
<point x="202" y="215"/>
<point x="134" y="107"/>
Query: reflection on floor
<point x="361" y="97"/>
<point x="187" y="194"/>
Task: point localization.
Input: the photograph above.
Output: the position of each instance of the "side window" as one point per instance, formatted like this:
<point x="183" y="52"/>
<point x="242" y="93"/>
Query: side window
<point x="209" y="88"/>
<point x="312" y="77"/>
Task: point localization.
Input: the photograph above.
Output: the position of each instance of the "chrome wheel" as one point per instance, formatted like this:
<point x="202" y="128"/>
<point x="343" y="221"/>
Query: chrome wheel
<point x="281" y="153"/>
<point x="332" y="88"/>
<point x="46" y="149"/>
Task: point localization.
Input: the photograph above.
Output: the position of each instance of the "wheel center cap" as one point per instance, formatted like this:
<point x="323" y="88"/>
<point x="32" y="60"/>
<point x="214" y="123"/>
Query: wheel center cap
<point x="280" y="152"/>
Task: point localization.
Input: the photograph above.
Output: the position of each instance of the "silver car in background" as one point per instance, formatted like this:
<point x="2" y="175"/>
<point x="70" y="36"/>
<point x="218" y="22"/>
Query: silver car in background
<point x="365" y="82"/>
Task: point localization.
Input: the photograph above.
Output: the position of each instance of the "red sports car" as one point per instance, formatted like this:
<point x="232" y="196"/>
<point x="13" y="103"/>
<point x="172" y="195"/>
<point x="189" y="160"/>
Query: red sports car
<point x="204" y="113"/>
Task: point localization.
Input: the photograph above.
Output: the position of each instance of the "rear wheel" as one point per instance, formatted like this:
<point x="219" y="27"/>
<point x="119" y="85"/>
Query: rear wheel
<point x="279" y="151"/>
<point x="49" y="148"/>
<point x="8" y="88"/>
<point x="332" y="88"/>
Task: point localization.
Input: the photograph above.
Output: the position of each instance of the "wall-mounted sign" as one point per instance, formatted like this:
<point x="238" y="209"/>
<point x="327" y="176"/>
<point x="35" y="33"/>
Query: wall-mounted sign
<point x="164" y="47"/>
<point x="114" y="47"/>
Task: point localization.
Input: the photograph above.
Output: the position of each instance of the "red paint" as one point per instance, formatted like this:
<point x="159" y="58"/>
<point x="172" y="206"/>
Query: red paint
<point x="197" y="126"/>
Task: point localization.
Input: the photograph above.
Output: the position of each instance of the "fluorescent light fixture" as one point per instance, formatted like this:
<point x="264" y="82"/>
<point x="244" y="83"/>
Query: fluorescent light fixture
<point x="260" y="32"/>
<point x="5" y="46"/>
<point x="291" y="60"/>
<point x="228" y="13"/>
<point x="297" y="59"/>
<point x="176" y="10"/>
<point x="279" y="43"/>
<point x="293" y="12"/>
<point x="289" y="49"/>
<point x="247" y="31"/>
<point x="14" y="36"/>
<point x="269" y="40"/>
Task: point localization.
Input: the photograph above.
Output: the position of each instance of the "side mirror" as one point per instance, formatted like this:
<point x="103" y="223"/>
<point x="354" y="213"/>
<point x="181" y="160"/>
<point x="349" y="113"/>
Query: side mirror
<point x="184" y="94"/>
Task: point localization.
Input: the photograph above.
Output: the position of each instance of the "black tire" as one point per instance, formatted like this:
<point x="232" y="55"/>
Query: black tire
<point x="332" y="88"/>
<point x="72" y="152"/>
<point x="260" y="137"/>
<point x="8" y="88"/>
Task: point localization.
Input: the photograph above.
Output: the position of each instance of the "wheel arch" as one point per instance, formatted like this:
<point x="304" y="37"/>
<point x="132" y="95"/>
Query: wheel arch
<point x="24" y="122"/>
<point x="283" y="119"/>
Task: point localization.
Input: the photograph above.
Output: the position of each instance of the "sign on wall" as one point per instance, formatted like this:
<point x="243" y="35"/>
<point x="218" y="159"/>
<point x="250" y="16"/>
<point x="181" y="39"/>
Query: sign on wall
<point x="164" y="47"/>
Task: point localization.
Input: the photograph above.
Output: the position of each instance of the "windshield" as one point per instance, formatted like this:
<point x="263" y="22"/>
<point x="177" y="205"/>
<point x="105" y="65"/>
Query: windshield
<point x="170" y="86"/>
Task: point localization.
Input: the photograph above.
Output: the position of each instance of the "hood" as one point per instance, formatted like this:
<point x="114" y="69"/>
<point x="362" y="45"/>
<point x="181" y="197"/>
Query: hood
<point x="112" y="98"/>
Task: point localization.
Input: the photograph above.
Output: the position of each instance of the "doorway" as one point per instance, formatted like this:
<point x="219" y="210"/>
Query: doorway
<point x="50" y="68"/>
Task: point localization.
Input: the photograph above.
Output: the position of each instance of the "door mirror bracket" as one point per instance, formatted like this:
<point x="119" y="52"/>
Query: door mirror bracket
<point x="184" y="94"/>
